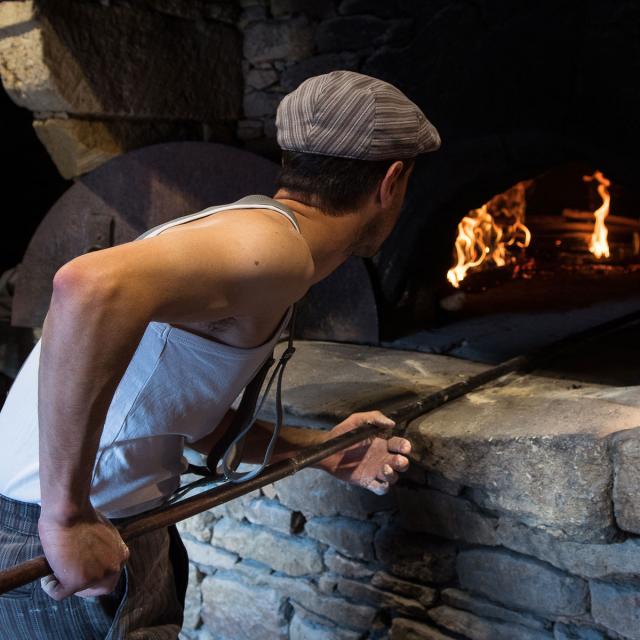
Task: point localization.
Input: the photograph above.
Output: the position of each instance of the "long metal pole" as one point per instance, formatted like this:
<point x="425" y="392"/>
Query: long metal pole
<point x="170" y="514"/>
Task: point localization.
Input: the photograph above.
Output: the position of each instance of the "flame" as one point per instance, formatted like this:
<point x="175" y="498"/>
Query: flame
<point x="490" y="233"/>
<point x="599" y="245"/>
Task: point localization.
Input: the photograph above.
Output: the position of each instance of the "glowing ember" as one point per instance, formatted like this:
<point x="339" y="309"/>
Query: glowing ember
<point x="599" y="245"/>
<point x="490" y="234"/>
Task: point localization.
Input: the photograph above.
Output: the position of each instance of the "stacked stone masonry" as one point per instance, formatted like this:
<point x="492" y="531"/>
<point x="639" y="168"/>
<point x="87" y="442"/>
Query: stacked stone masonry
<point x="519" y="518"/>
<point x="105" y="77"/>
<point x="449" y="552"/>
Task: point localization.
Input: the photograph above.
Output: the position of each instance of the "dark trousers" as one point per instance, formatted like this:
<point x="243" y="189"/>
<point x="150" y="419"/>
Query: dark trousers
<point x="147" y="604"/>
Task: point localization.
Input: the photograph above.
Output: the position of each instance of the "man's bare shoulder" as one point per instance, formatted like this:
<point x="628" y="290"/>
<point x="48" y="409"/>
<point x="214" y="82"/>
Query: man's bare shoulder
<point x="258" y="255"/>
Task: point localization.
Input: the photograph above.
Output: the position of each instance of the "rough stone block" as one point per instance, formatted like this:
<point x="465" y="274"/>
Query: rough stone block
<point x="531" y="452"/>
<point x="350" y="33"/>
<point x="585" y="560"/>
<point x="386" y="582"/>
<point x="291" y="555"/>
<point x="224" y="610"/>
<point x="626" y="479"/>
<point x="193" y="600"/>
<point x="353" y="538"/>
<point x="404" y="629"/>
<point x="337" y="610"/>
<point x="445" y="516"/>
<point x="476" y="628"/>
<point x="563" y="631"/>
<point x="521" y="582"/>
<point x="205" y="555"/>
<point x="345" y="566"/>
<point x="361" y="377"/>
<point x="85" y="58"/>
<point x="328" y="582"/>
<point x="616" y="607"/>
<point x="302" y="629"/>
<point x="316" y="493"/>
<point x="414" y="608"/>
<point x="197" y="527"/>
<point x="269" y="513"/>
<point x="235" y="508"/>
<point x="261" y="78"/>
<point x="289" y="39"/>
<point x="461" y="600"/>
<point x="414" y="555"/>
<point x="261" y="103"/>
<point x="78" y="146"/>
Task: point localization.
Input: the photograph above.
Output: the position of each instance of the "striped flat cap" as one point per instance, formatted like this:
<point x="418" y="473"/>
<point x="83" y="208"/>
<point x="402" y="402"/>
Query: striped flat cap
<point x="350" y="115"/>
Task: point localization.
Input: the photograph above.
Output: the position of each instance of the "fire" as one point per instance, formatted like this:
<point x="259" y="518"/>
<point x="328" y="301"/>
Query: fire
<point x="599" y="245"/>
<point x="490" y="234"/>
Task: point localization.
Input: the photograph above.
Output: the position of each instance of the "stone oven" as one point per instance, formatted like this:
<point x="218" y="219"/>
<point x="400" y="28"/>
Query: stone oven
<point x="520" y="516"/>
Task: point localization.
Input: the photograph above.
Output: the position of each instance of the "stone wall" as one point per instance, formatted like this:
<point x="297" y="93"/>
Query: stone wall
<point x="517" y="521"/>
<point x="105" y="77"/>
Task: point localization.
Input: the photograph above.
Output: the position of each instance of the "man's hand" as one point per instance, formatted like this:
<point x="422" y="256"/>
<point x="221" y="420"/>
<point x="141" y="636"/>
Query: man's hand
<point x="86" y="556"/>
<point x="373" y="463"/>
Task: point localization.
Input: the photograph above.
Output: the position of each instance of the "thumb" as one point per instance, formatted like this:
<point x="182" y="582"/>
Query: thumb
<point x="52" y="587"/>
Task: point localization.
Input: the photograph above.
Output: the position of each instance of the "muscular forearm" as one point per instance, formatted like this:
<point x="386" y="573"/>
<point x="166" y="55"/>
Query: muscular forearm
<point x="89" y="336"/>
<point x="290" y="441"/>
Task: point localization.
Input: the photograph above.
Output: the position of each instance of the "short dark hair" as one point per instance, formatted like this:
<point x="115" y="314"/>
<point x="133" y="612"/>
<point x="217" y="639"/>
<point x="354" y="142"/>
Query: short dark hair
<point x="335" y="185"/>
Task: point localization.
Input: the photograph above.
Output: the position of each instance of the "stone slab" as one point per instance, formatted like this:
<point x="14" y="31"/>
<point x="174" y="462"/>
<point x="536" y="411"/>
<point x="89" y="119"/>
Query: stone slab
<point x="78" y="146"/>
<point x="302" y="629"/>
<point x="517" y="581"/>
<point x="626" y="480"/>
<point x="401" y="605"/>
<point x="474" y="627"/>
<point x="346" y="566"/>
<point x="90" y="59"/>
<point x="414" y="555"/>
<point x="406" y="629"/>
<point x="536" y="449"/>
<point x="351" y="537"/>
<point x="224" y="609"/>
<point x="326" y="381"/>
<point x="289" y="554"/>
<point x="616" y="607"/>
<point x="458" y="519"/>
<point x="486" y="609"/>
<point x="283" y="39"/>
<point x="209" y="557"/>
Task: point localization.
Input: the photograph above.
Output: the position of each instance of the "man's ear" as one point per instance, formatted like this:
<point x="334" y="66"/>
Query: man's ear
<point x="389" y="183"/>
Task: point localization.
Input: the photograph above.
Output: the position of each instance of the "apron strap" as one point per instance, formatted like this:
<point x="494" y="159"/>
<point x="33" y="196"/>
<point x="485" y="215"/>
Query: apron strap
<point x="230" y="447"/>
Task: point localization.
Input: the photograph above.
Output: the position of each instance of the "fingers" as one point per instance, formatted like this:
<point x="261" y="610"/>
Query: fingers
<point x="100" y="589"/>
<point x="387" y="475"/>
<point x="372" y="417"/>
<point x="399" y="445"/>
<point x="378" y="487"/>
<point x="54" y="589"/>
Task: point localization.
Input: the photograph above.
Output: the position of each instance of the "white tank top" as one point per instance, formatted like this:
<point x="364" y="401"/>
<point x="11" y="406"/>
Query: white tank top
<point x="176" y="389"/>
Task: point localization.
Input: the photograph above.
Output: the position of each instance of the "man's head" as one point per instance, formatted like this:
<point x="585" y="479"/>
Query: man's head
<point x="349" y="142"/>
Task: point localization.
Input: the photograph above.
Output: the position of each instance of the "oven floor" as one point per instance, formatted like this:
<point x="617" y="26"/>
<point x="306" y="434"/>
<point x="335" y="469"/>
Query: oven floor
<point x="520" y="315"/>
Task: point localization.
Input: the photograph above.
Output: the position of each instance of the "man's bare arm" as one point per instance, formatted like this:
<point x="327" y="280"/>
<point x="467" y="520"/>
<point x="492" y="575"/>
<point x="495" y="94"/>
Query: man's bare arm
<point x="101" y="305"/>
<point x="373" y="464"/>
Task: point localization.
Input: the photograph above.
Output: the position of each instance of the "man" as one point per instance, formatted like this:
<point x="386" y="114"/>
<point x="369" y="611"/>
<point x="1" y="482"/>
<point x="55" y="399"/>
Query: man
<point x="146" y="345"/>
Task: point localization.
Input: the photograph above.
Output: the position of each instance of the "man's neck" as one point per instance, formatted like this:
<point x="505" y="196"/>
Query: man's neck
<point x="331" y="239"/>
